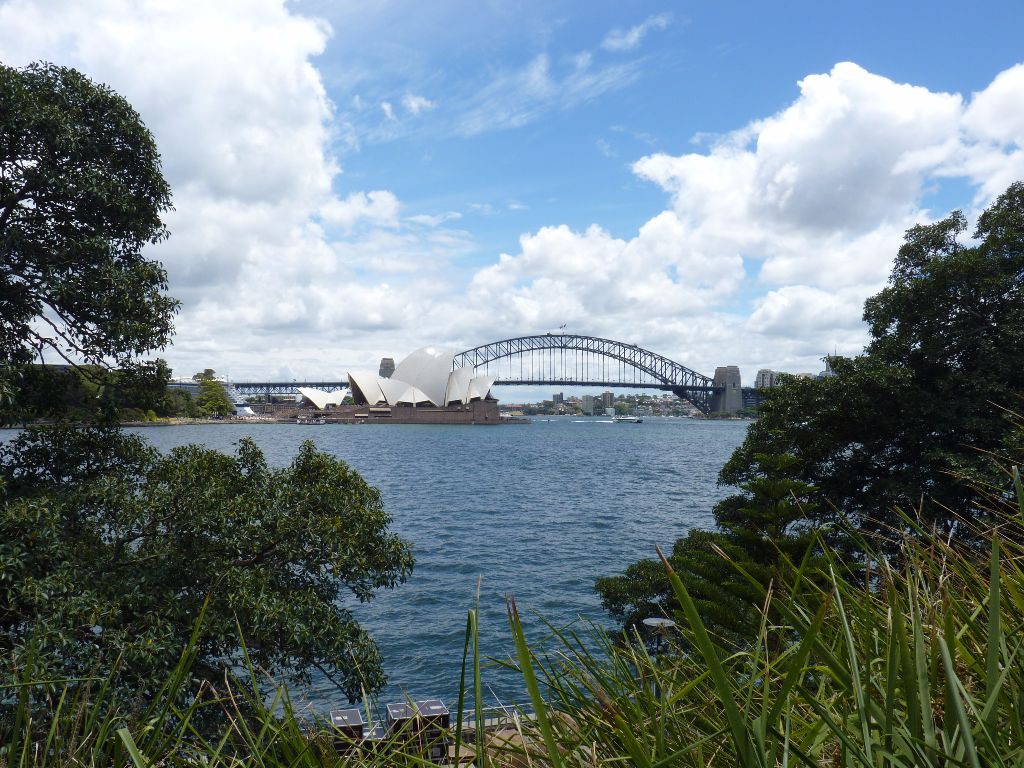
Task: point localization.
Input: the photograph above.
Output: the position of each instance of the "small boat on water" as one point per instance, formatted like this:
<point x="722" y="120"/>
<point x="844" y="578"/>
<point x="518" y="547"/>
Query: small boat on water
<point x="627" y="420"/>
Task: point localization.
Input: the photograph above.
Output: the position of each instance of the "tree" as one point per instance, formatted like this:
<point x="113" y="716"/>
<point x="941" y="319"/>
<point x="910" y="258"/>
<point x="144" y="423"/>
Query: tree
<point x="909" y="425"/>
<point x="81" y="193"/>
<point x="213" y="400"/>
<point x="108" y="550"/>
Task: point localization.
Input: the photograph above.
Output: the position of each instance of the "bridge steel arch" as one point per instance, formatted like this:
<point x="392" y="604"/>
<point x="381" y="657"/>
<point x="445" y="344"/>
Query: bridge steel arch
<point x="668" y="374"/>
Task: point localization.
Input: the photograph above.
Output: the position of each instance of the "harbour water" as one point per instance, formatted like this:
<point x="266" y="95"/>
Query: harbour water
<point x="537" y="510"/>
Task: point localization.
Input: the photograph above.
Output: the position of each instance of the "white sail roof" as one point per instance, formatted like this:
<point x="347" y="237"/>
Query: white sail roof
<point x="479" y="386"/>
<point x="425" y="377"/>
<point x="392" y="389"/>
<point x="427" y="369"/>
<point x="365" y="386"/>
<point x="414" y="396"/>
<point x="458" y="386"/>
<point x="321" y="398"/>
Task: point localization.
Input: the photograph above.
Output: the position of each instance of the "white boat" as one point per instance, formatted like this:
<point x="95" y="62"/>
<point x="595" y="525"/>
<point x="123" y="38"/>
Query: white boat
<point x="627" y="420"/>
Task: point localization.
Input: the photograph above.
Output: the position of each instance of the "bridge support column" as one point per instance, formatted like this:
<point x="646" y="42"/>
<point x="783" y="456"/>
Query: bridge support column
<point x="729" y="399"/>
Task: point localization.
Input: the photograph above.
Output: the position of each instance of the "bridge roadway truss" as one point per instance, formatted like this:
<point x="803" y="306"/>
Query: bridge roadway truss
<point x="267" y="388"/>
<point x="586" y="365"/>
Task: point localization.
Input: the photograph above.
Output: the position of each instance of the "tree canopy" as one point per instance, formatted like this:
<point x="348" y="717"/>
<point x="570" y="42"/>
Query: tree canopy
<point x="213" y="400"/>
<point x="81" y="193"/>
<point x="109" y="550"/>
<point x="910" y="425"/>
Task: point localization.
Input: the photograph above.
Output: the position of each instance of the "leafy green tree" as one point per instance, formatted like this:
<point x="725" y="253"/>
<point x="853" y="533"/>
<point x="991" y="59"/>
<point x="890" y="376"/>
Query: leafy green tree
<point x="213" y="400"/>
<point x="908" y="425"/>
<point x="109" y="550"/>
<point x="81" y="193"/>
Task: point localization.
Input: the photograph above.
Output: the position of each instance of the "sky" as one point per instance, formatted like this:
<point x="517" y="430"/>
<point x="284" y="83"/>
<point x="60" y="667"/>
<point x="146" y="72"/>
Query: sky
<point x="723" y="183"/>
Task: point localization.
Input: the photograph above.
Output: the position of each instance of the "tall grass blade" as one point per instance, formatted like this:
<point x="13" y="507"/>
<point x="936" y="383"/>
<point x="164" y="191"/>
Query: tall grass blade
<point x="525" y="658"/>
<point x="133" y="750"/>
<point x="745" y="753"/>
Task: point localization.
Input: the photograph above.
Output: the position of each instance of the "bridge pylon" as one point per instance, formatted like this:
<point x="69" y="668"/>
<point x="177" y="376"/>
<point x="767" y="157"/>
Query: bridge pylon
<point x="728" y="393"/>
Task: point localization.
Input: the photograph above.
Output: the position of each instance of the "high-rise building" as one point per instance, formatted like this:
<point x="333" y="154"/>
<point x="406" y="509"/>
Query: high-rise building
<point x="558" y="397"/>
<point x="766" y="378"/>
<point x="387" y="367"/>
<point x="588" y="405"/>
<point x="607" y="399"/>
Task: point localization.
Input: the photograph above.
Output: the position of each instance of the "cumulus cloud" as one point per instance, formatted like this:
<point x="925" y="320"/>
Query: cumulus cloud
<point x="628" y="39"/>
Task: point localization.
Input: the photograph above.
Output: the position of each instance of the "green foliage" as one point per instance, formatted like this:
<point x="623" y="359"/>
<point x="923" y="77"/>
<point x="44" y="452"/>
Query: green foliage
<point x="897" y="428"/>
<point x="109" y="550"/>
<point x="78" y="392"/>
<point x="81" y="193"/>
<point x="213" y="400"/>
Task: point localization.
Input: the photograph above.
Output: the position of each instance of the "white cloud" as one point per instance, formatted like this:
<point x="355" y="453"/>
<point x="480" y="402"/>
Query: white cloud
<point x="388" y="110"/>
<point x="605" y="148"/>
<point x="515" y="98"/>
<point x="416" y="104"/>
<point x="377" y="207"/>
<point x="821" y="192"/>
<point x="628" y="39"/>
<point x="435" y="220"/>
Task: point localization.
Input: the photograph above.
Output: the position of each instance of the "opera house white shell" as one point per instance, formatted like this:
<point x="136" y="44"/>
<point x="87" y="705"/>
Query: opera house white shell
<point x="322" y="399"/>
<point x="425" y="377"/>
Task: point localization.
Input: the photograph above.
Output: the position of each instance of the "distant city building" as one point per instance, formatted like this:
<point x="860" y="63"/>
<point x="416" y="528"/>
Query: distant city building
<point x="828" y="372"/>
<point x="766" y="378"/>
<point x="588" y="405"/>
<point x="607" y="399"/>
<point x="387" y="367"/>
<point x="558" y="397"/>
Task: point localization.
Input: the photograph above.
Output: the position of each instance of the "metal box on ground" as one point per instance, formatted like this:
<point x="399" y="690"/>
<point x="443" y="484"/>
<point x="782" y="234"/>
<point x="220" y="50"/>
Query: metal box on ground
<point x="350" y="725"/>
<point x="401" y="719"/>
<point x="376" y="738"/>
<point x="434" y="722"/>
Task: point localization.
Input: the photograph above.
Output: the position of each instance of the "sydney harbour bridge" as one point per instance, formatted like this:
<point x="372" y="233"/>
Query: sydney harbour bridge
<point x="573" y="360"/>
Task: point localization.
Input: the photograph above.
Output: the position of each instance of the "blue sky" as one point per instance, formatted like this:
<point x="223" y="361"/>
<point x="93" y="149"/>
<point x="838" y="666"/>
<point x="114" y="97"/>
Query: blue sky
<point x="721" y="182"/>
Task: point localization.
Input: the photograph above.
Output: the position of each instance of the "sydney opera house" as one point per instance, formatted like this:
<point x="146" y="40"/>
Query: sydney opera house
<point x="425" y="388"/>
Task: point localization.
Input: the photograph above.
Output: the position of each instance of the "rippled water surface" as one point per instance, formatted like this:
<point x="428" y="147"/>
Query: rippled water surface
<point x="536" y="510"/>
